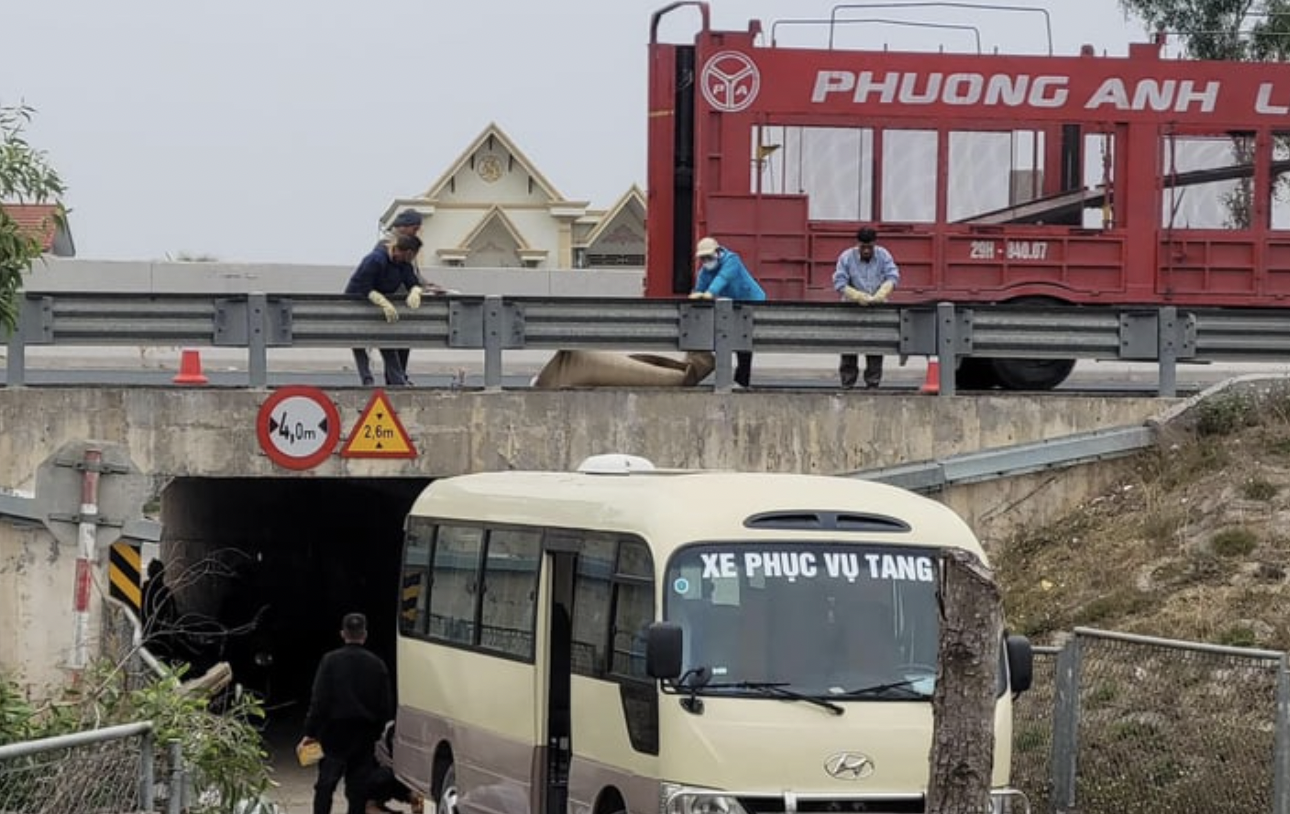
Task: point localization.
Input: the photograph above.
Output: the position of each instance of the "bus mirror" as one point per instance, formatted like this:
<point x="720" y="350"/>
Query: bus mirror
<point x="663" y="650"/>
<point x="1021" y="659"/>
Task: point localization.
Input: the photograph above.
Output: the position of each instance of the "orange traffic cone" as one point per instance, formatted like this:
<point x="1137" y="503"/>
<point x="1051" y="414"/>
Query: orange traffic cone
<point x="190" y="368"/>
<point x="932" y="384"/>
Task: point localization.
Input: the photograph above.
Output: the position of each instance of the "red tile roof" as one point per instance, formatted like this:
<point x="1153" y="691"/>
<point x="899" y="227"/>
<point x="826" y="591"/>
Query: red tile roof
<point x="35" y="218"/>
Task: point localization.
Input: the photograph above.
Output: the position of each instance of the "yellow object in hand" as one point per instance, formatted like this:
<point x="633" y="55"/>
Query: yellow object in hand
<point x="309" y="752"/>
<point x="414" y="297"/>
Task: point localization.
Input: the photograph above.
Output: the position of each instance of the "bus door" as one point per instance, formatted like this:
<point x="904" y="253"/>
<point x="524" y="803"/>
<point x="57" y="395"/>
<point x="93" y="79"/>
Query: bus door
<point x="558" y="748"/>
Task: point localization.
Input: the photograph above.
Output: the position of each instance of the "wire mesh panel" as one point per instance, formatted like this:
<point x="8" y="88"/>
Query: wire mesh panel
<point x="98" y="778"/>
<point x="1032" y="732"/>
<point x="1167" y="727"/>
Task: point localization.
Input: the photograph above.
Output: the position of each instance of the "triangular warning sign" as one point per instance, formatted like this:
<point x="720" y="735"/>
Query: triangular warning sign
<point x="378" y="433"/>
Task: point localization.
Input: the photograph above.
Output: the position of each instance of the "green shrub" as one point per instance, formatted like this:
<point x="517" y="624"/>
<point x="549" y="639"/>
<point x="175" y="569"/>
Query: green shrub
<point x="1225" y="414"/>
<point x="1257" y="488"/>
<point x="1234" y="542"/>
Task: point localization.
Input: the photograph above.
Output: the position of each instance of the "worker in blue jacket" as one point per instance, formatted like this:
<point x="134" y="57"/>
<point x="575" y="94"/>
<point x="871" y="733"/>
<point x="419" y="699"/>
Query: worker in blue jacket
<point x="723" y="274"/>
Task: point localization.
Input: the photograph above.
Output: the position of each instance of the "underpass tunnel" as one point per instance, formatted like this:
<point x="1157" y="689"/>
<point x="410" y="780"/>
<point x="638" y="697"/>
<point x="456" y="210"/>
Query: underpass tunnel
<point x="268" y="566"/>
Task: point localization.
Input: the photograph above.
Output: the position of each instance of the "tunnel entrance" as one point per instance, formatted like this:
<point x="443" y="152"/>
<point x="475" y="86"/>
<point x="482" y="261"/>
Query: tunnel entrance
<point x="263" y="569"/>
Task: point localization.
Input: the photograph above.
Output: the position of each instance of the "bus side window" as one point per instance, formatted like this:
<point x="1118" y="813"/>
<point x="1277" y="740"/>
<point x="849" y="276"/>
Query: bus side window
<point x="633" y="608"/>
<point x="455" y="588"/>
<point x="415" y="594"/>
<point x="592" y="593"/>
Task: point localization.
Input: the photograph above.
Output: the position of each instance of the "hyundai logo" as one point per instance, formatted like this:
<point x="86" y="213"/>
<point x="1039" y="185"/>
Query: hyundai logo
<point x="848" y="766"/>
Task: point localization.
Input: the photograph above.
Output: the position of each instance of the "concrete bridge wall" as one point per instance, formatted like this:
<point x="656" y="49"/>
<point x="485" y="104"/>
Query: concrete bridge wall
<point x="210" y="433"/>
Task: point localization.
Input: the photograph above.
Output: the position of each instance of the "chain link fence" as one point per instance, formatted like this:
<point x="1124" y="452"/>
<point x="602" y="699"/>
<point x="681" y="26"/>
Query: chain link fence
<point x="1139" y="725"/>
<point x="103" y="771"/>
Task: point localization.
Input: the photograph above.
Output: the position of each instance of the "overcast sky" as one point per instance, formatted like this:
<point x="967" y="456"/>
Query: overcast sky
<point x="280" y="130"/>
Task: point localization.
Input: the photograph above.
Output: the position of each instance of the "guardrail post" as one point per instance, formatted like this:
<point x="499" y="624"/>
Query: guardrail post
<point x="947" y="346"/>
<point x="147" y="781"/>
<point x="723" y="345"/>
<point x="1281" y="749"/>
<point x="1065" y="746"/>
<point x="257" y="338"/>
<point x="16" y="364"/>
<point x="494" y="322"/>
<point x="1168" y="351"/>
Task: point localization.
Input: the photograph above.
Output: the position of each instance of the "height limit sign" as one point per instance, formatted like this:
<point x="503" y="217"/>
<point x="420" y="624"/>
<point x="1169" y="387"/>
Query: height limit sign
<point x="298" y="427"/>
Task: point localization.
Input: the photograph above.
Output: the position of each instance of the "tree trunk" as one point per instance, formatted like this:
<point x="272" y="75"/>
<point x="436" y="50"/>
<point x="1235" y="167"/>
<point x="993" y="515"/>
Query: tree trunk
<point x="962" y="758"/>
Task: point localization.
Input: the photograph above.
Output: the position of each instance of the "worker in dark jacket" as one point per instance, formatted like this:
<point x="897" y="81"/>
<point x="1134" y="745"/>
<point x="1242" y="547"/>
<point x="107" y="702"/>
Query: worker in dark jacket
<point x="385" y="271"/>
<point x="350" y="704"/>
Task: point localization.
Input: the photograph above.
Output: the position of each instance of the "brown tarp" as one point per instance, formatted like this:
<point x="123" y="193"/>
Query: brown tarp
<point x="595" y="368"/>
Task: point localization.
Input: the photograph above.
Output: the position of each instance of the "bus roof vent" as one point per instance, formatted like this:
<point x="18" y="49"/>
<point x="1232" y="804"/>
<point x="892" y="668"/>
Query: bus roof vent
<point x="826" y="521"/>
<point x="615" y="463"/>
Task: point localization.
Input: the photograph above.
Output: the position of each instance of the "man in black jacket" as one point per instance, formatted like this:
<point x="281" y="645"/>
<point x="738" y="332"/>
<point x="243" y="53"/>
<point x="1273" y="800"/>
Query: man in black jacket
<point x="351" y="702"/>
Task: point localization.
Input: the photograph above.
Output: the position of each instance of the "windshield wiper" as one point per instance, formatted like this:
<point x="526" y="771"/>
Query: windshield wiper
<point x="780" y="689"/>
<point x="906" y="686"/>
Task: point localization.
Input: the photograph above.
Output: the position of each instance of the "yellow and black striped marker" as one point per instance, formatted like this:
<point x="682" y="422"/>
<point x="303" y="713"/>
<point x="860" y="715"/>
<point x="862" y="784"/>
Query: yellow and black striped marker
<point x="125" y="577"/>
<point x="411" y="593"/>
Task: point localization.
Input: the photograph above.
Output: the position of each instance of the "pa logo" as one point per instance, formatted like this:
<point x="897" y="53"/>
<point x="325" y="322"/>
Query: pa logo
<point x="730" y="81"/>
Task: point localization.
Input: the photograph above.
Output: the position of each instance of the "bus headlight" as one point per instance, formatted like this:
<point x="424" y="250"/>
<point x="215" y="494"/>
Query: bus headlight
<point x="689" y="800"/>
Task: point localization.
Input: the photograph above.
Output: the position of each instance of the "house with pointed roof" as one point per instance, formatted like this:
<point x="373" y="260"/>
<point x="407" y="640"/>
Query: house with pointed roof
<point x="493" y="208"/>
<point x="47" y="223"/>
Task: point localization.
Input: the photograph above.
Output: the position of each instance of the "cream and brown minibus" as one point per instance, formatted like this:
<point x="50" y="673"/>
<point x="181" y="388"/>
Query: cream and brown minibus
<point x="629" y="639"/>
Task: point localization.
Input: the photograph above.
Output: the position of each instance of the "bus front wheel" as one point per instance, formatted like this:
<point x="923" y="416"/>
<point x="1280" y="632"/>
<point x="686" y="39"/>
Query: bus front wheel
<point x="448" y="793"/>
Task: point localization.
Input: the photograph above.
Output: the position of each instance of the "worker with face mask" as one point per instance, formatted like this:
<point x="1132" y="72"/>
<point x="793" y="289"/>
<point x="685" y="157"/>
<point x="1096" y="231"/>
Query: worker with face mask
<point x="865" y="275"/>
<point x="723" y="274"/>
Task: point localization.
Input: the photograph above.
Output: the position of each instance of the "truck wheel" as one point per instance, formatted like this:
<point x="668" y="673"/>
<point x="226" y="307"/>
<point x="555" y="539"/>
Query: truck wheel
<point x="1032" y="374"/>
<point x="975" y="374"/>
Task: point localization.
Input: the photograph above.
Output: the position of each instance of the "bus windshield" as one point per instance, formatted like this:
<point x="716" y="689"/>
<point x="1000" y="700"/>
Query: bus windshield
<point x="823" y="619"/>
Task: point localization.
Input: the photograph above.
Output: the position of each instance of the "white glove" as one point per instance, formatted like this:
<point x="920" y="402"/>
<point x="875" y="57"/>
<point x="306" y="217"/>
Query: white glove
<point x="378" y="299"/>
<point x="414" y="297"/>
<point x="856" y="295"/>
<point x="883" y="290"/>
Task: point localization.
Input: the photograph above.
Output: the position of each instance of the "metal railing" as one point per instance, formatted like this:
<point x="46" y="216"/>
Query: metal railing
<point x="495" y="324"/>
<point x="108" y="769"/>
<point x="1138" y="725"/>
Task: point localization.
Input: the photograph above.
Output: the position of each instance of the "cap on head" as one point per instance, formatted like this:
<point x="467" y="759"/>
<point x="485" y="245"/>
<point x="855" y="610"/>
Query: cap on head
<point x="354" y="626"/>
<point x="707" y="247"/>
<point x="408" y="217"/>
<point x="866" y="235"/>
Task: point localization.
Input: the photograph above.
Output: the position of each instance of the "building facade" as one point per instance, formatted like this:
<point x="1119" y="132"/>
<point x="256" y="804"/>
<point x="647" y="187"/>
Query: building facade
<point x="492" y="208"/>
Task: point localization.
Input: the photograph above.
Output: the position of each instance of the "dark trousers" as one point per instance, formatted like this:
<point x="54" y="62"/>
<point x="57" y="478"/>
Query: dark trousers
<point x="849" y="369"/>
<point x="743" y="367"/>
<point x="354" y="762"/>
<point x="395" y="361"/>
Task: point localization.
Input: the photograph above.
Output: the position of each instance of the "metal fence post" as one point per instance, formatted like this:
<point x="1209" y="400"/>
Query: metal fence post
<point x="175" y="795"/>
<point x="1281" y="749"/>
<point x="257" y="338"/>
<point x="947" y="344"/>
<point x="1065" y="748"/>
<point x="493" y="324"/>
<point x="147" y="782"/>
<point x="16" y="364"/>
<point x="1168" y="351"/>
<point x="723" y="344"/>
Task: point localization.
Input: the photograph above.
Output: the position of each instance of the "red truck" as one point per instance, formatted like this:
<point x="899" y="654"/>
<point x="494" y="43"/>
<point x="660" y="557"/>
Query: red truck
<point x="1081" y="179"/>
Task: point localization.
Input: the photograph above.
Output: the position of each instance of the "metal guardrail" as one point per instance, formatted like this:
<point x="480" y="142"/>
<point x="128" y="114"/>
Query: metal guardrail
<point x="495" y="324"/>
<point x="930" y="477"/>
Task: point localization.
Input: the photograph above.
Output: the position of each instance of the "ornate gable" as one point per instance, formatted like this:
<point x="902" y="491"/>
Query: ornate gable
<point x="493" y="168"/>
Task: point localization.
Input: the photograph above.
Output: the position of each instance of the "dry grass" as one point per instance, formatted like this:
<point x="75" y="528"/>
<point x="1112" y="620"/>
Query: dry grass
<point x="1192" y="545"/>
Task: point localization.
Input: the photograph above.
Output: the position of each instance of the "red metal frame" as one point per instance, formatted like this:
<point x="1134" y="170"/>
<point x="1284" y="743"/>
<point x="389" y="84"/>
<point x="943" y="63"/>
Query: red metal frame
<point x="1141" y="100"/>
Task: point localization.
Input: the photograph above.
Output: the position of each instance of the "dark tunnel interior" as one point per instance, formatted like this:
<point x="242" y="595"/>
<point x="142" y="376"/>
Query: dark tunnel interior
<point x="263" y="569"/>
